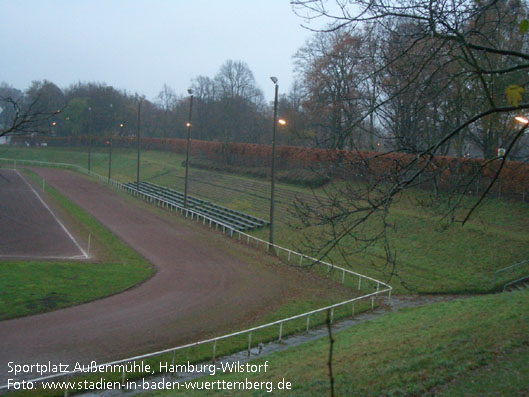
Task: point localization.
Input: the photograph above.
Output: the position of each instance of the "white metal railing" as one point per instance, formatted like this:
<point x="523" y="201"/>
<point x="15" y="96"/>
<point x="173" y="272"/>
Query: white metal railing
<point x="290" y="255"/>
<point x="512" y="267"/>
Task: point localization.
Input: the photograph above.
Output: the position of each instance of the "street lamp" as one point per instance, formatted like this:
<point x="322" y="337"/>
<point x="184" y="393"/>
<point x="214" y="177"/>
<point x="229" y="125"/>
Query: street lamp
<point x="272" y="182"/>
<point x="501" y="152"/>
<point x="522" y="119"/>
<point x="188" y="125"/>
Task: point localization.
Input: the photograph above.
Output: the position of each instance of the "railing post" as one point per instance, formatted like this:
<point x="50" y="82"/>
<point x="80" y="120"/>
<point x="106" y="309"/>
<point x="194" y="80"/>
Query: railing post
<point x="214" y="349"/>
<point x="66" y="391"/>
<point x="308" y="323"/>
<point x="123" y="377"/>
<point x="280" y="331"/>
<point x="332" y="315"/>
<point x="172" y="362"/>
<point x="89" y="238"/>
<point x="359" y="282"/>
<point x="353" y="310"/>
<point x="343" y="277"/>
<point x="249" y="343"/>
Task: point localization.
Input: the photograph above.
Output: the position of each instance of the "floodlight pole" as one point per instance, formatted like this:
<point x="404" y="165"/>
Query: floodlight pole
<point x="89" y="152"/>
<point x="110" y="158"/>
<point x="138" y="147"/>
<point x="190" y="91"/>
<point x="272" y="184"/>
<point x="90" y="138"/>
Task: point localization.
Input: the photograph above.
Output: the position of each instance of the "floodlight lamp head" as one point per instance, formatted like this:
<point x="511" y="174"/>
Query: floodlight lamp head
<point x="522" y="119"/>
<point x="274" y="79"/>
<point x="190" y="91"/>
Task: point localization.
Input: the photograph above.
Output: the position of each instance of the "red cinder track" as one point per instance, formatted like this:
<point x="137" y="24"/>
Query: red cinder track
<point x="199" y="289"/>
<point x="28" y="229"/>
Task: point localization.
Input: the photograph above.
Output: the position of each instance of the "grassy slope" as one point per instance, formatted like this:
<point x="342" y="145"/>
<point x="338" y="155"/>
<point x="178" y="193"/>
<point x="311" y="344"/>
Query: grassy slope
<point x="449" y="348"/>
<point x="39" y="286"/>
<point x="445" y="348"/>
<point x="431" y="259"/>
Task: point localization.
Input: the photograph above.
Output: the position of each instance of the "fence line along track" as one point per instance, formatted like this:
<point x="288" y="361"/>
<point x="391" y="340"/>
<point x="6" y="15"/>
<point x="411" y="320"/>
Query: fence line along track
<point x="291" y="256"/>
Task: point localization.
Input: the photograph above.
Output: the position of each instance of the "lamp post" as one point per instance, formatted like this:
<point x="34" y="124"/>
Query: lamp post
<point x="110" y="152"/>
<point x="188" y="124"/>
<point x="272" y="182"/>
<point x="90" y="138"/>
<point x="110" y="157"/>
<point x="138" y="146"/>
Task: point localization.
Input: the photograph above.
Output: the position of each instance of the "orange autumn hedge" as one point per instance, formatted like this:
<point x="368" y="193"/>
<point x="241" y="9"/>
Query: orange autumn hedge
<point x="446" y="170"/>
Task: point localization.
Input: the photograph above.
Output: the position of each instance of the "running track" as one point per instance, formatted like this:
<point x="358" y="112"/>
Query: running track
<point x="199" y="289"/>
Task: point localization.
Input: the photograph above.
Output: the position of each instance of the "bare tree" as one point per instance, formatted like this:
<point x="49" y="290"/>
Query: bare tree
<point x="236" y="80"/>
<point x="443" y="75"/>
<point x="229" y="107"/>
<point x="32" y="113"/>
<point x="167" y="102"/>
<point x="329" y="70"/>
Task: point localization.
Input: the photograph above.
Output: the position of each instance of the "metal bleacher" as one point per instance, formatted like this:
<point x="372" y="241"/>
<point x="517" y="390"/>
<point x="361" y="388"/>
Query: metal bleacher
<point x="235" y="219"/>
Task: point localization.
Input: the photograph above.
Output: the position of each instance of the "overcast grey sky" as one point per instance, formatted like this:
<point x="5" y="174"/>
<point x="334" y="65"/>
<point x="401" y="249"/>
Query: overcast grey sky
<point x="139" y="45"/>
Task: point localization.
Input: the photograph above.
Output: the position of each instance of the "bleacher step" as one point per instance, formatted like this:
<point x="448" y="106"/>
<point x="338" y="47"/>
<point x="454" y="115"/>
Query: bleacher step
<point x="223" y="215"/>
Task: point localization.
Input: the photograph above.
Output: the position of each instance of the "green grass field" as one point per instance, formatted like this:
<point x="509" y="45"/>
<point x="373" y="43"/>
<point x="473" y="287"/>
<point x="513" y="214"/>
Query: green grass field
<point x="475" y="346"/>
<point x="430" y="258"/>
<point x="35" y="286"/>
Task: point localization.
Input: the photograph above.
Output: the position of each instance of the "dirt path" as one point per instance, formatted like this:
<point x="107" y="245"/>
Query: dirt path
<point x="199" y="290"/>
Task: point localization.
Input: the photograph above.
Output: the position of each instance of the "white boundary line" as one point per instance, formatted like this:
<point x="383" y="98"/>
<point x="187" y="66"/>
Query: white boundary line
<point x="7" y="256"/>
<point x="85" y="255"/>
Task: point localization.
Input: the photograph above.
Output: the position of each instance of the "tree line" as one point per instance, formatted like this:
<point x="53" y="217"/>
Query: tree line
<point x="227" y="107"/>
<point x="398" y="81"/>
